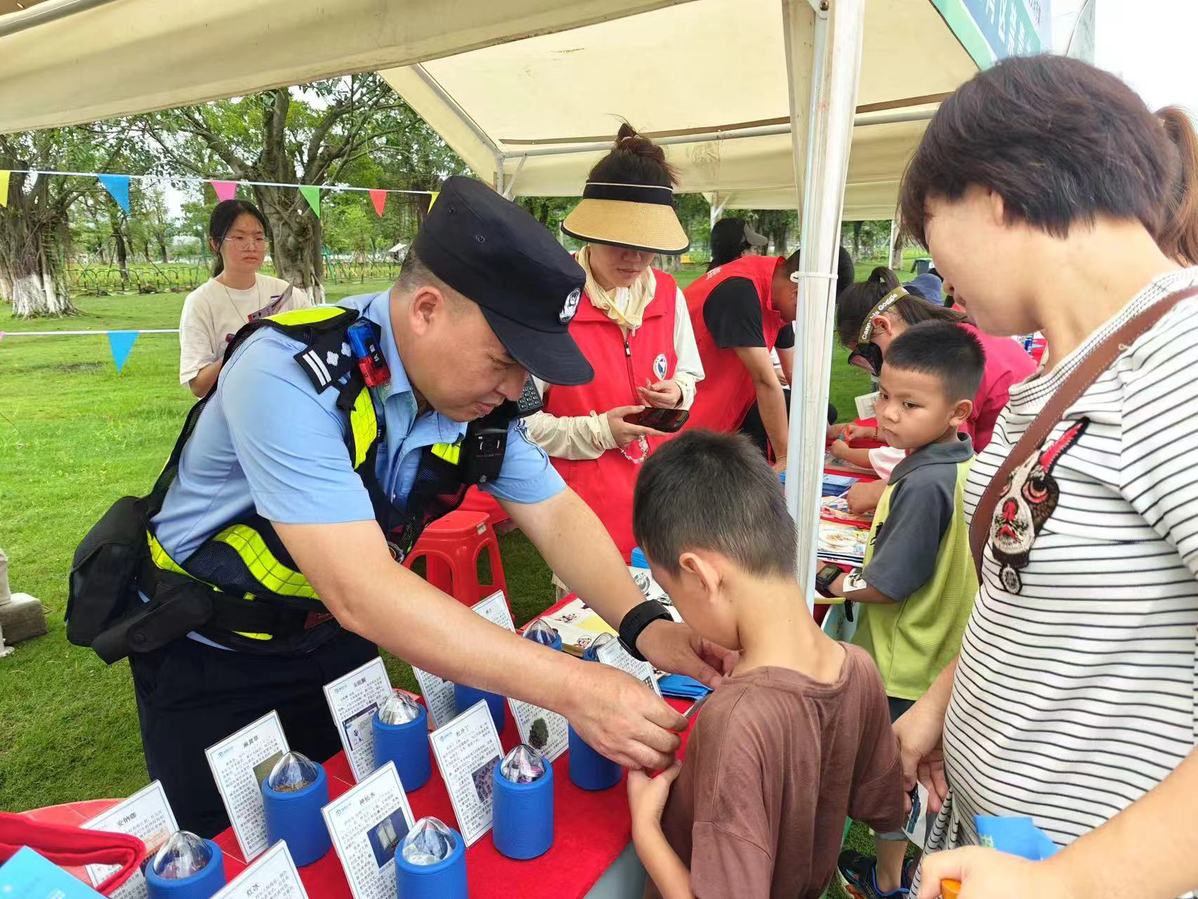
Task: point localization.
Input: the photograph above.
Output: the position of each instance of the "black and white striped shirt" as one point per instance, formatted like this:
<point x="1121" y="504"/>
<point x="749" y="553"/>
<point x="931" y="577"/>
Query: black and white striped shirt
<point x="1076" y="688"/>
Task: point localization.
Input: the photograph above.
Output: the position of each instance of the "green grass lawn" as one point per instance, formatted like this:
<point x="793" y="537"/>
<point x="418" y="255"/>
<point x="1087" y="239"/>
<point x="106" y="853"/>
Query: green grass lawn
<point x="74" y="436"/>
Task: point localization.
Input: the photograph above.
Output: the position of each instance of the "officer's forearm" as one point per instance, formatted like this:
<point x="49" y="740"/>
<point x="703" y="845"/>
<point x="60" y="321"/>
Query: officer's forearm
<point x="369" y="594"/>
<point x="580" y="551"/>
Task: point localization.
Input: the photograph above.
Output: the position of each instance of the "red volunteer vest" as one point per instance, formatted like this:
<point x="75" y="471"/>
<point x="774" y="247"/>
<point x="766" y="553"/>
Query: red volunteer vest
<point x="621" y="365"/>
<point x="726" y="393"/>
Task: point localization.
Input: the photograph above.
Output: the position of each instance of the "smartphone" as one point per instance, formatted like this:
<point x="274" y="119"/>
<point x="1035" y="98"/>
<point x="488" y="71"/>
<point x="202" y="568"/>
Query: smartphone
<point x="667" y="420"/>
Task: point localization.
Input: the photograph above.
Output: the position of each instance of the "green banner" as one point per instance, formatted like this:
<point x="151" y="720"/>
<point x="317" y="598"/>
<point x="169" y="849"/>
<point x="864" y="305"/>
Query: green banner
<point x="991" y="30"/>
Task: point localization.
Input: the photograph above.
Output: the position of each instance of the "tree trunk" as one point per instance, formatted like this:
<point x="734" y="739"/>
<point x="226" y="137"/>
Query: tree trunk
<point x="857" y="238"/>
<point x="31" y="275"/>
<point x="162" y="253"/>
<point x="295" y="238"/>
<point x="121" y="244"/>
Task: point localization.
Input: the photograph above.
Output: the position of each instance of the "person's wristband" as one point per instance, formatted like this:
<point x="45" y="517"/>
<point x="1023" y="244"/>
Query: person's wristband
<point x="636" y="620"/>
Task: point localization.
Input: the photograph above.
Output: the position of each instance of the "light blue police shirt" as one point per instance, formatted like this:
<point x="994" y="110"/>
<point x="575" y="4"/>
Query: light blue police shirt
<point x="268" y="440"/>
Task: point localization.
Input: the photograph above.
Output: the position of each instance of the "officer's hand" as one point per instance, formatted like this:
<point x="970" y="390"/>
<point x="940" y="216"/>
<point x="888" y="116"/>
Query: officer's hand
<point x="625" y="432"/>
<point x="674" y="647"/>
<point x="622" y="719"/>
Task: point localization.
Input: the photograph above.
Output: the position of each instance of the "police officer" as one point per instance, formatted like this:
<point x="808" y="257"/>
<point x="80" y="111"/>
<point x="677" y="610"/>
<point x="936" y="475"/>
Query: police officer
<point x="332" y="436"/>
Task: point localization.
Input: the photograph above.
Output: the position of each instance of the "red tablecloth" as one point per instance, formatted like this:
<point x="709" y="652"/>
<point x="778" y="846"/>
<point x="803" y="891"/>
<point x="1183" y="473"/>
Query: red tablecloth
<point x="590" y="832"/>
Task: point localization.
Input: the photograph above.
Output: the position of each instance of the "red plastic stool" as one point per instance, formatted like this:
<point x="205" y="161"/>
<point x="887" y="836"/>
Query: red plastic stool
<point x="451" y="547"/>
<point x="478" y="501"/>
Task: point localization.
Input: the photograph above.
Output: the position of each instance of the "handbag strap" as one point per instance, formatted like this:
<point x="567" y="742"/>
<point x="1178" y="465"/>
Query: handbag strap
<point x="1094" y="364"/>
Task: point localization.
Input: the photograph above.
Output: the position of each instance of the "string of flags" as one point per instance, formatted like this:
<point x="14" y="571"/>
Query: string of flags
<point x="117" y="186"/>
<point x="120" y="343"/>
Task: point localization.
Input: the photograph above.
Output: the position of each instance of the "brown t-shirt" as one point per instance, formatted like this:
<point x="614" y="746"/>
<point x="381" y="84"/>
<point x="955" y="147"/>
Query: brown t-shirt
<point x="776" y="763"/>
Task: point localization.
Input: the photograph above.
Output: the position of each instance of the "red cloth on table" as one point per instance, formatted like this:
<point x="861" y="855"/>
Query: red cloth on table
<point x="69" y="846"/>
<point x="590" y="832"/>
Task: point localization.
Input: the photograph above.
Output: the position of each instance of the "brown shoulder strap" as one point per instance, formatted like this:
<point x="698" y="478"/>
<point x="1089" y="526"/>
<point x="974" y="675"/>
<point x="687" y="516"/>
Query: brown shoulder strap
<point x="1098" y="361"/>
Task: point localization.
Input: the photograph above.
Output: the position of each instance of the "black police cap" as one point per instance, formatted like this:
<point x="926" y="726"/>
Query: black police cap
<point x="496" y="254"/>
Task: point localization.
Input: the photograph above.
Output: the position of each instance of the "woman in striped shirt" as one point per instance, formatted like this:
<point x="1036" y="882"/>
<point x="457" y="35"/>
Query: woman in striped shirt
<point x="1055" y="201"/>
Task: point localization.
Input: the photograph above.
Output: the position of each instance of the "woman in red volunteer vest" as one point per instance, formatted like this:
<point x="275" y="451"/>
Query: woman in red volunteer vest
<point x="630" y="323"/>
<point x="737" y="311"/>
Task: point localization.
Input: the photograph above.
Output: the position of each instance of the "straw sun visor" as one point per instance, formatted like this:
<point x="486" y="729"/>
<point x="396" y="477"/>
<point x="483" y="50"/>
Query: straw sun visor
<point x="639" y="216"/>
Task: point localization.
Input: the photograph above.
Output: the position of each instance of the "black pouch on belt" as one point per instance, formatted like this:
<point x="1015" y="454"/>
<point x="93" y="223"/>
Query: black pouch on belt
<point x="103" y="586"/>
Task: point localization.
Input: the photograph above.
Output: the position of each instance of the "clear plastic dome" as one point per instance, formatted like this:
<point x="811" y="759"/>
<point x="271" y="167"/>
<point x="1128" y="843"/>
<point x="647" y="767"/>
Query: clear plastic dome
<point x="523" y="765"/>
<point x="591" y="653"/>
<point x="541" y="632"/>
<point x="181" y="856"/>
<point x="427" y="843"/>
<point x="399" y="709"/>
<point x="292" y="773"/>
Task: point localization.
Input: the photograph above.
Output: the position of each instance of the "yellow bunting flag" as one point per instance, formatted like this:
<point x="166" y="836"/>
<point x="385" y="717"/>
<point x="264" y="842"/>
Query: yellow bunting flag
<point x="433" y="198"/>
<point x="4" y="187"/>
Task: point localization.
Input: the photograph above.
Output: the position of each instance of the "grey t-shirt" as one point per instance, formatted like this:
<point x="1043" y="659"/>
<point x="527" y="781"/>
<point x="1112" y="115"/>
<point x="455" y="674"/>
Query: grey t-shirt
<point x="921" y="509"/>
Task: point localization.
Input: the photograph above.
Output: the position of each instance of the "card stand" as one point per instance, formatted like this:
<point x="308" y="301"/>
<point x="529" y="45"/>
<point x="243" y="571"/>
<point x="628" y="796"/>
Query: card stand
<point x="444" y="880"/>
<point x="200" y="885"/>
<point x="588" y="769"/>
<point x="523" y="825"/>
<point x="467" y="696"/>
<point x="406" y="745"/>
<point x="295" y="819"/>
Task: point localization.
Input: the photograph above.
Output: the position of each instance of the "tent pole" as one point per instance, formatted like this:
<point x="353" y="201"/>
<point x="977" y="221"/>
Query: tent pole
<point x="894" y="255"/>
<point x="717" y="207"/>
<point x="823" y="49"/>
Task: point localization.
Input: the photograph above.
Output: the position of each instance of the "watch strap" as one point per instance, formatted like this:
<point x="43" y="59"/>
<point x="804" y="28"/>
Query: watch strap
<point x="636" y="620"/>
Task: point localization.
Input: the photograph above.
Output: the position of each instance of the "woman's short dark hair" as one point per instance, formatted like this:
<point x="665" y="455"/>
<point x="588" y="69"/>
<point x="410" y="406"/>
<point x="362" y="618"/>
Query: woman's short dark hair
<point x="728" y="242"/>
<point x="634" y="160"/>
<point x="855" y="303"/>
<point x="1059" y="140"/>
<point x="224" y="214"/>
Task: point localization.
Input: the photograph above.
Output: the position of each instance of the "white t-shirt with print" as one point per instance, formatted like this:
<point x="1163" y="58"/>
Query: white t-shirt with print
<point x="213" y="313"/>
<point x="1076" y="690"/>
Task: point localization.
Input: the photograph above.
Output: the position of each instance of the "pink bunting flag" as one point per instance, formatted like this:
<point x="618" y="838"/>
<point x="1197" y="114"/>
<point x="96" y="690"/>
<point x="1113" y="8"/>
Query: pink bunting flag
<point x="379" y="199"/>
<point x="225" y="190"/>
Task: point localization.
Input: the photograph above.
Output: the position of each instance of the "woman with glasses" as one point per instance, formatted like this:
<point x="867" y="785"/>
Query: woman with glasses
<point x="235" y="294"/>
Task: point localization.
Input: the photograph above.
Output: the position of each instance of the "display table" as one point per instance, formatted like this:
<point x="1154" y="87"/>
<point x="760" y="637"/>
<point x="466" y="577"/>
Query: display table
<point x="591" y="855"/>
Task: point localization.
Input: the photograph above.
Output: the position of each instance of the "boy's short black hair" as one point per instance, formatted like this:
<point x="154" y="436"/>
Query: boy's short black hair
<point x="942" y="349"/>
<point x="714" y="491"/>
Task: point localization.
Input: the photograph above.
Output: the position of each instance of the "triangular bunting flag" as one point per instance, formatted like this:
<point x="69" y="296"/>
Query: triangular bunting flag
<point x="4" y="187"/>
<point x="433" y="199"/>
<point x="312" y="194"/>
<point x="118" y="186"/>
<point x="121" y="344"/>
<point x="225" y="190"/>
<point x="379" y="199"/>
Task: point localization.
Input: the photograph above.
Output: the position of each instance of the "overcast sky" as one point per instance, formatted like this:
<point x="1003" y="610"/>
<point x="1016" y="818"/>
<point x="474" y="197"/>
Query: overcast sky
<point x="1151" y="44"/>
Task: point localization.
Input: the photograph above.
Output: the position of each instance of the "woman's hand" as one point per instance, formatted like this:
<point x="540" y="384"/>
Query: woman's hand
<point x="626" y="432"/>
<point x="663" y="394"/>
<point x="647" y="794"/>
<point x="990" y="874"/>
<point x="920" y="732"/>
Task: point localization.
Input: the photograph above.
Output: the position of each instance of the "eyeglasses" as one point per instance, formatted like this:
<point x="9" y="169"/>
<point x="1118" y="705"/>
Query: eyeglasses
<point x="246" y="243"/>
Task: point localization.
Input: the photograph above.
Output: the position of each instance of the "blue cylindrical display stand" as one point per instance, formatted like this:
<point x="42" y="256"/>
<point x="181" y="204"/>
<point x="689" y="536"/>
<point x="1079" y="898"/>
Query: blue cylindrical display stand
<point x="200" y="885"/>
<point x="467" y="696"/>
<point x="588" y="769"/>
<point x="637" y="558"/>
<point x="523" y="825"/>
<point x="407" y="746"/>
<point x="295" y="819"/>
<point x="444" y="880"/>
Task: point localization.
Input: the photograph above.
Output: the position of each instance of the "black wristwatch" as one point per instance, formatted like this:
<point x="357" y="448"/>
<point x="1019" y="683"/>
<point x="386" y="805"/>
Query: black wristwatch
<point x="636" y="620"/>
<point x="824" y="578"/>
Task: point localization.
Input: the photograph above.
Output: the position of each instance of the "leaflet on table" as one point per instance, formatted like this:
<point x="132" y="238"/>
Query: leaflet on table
<point x="367" y="824"/>
<point x="146" y="815"/>
<point x="239" y="765"/>
<point x="837" y="508"/>
<point x="865" y="404"/>
<point x="353" y="699"/>
<point x="273" y="876"/>
<point x="28" y="875"/>
<point x="578" y="625"/>
<point x="466" y="749"/>
<point x="615" y="655"/>
<point x="650" y="589"/>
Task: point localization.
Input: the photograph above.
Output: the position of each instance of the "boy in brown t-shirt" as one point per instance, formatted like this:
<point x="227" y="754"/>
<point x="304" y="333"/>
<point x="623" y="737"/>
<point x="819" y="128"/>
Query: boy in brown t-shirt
<point x="797" y="738"/>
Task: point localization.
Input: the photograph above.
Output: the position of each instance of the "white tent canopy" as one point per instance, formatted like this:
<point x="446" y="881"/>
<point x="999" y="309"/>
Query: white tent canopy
<point x="708" y="78"/>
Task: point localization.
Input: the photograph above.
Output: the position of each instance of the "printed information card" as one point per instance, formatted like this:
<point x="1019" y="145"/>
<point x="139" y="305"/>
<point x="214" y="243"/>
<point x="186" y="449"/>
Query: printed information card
<point x="367" y="824"/>
<point x="146" y="815"/>
<point x="543" y="730"/>
<point x="615" y="655"/>
<point x="273" y="876"/>
<point x="353" y="699"/>
<point x="239" y="764"/>
<point x="494" y="609"/>
<point x="466" y="749"/>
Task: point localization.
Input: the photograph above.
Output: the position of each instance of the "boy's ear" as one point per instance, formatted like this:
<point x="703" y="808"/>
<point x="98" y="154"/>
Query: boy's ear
<point x="701" y="569"/>
<point x="961" y="411"/>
